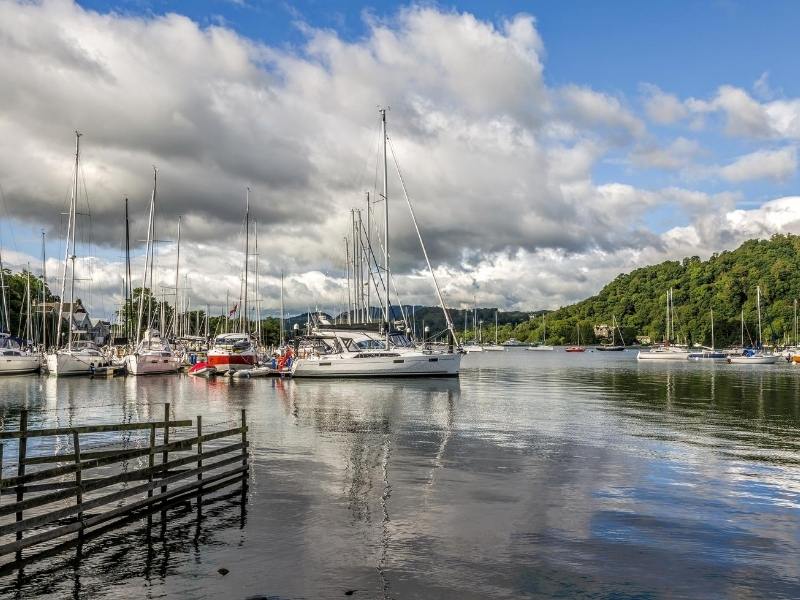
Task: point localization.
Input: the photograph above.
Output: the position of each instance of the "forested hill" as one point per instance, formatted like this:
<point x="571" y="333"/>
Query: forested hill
<point x="726" y="283"/>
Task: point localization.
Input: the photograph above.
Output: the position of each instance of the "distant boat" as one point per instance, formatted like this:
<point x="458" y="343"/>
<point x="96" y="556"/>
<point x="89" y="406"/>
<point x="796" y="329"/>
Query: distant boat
<point x="665" y="352"/>
<point x="612" y="347"/>
<point x="511" y="342"/>
<point x="543" y="347"/>
<point x="577" y="348"/>
<point x="754" y="356"/>
<point x="710" y="354"/>
<point x="494" y="347"/>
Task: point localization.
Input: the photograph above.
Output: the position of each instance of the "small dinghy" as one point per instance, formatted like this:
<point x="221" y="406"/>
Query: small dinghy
<point x="203" y="369"/>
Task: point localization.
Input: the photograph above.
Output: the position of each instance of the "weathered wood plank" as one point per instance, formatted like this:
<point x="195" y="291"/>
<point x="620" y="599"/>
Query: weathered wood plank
<point x="6" y="435"/>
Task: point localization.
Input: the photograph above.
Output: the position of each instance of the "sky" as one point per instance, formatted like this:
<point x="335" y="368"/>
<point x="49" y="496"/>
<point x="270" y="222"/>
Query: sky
<point x="546" y="146"/>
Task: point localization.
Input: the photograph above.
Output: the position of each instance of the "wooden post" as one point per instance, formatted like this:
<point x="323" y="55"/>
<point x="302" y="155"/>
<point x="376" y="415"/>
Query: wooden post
<point x="23" y="452"/>
<point x="199" y="446"/>
<point x="151" y="461"/>
<point x="244" y="447"/>
<point x="165" y="454"/>
<point x="78" y="491"/>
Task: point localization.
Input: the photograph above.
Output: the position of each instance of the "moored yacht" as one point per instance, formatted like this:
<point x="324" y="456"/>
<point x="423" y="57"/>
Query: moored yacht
<point x="152" y="356"/>
<point x="362" y="353"/>
<point x="754" y="356"/>
<point x="666" y="351"/>
<point x="79" y="357"/>
<point x="14" y="360"/>
<point x="232" y="352"/>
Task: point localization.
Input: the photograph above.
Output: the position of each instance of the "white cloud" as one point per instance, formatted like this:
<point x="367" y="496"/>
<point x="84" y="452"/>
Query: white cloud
<point x="676" y="155"/>
<point x="662" y="108"/>
<point x="592" y="108"/>
<point x="778" y="165"/>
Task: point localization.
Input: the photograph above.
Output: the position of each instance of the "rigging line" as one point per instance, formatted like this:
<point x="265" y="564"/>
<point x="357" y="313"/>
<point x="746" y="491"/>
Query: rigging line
<point x="450" y="326"/>
<point x="8" y="216"/>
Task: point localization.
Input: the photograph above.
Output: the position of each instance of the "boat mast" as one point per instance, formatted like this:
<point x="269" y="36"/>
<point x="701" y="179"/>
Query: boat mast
<point x="386" y="267"/>
<point x="258" y="296"/>
<point x="742" y="328"/>
<point x="758" y="310"/>
<point x="175" y="328"/>
<point x="44" y="294"/>
<point x="128" y="281"/>
<point x="4" y="314"/>
<point x="147" y="265"/>
<point x="495" y="327"/>
<point x="29" y="326"/>
<point x="369" y="249"/>
<point x="347" y="268"/>
<point x="795" y="322"/>
<point x="282" y="330"/>
<point x="71" y="243"/>
<point x="243" y="318"/>
<point x="713" y="345"/>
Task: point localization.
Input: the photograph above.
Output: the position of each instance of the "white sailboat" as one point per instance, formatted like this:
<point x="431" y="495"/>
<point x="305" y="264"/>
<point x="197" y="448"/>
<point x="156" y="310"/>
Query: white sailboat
<point x="754" y="356"/>
<point x="543" y="347"/>
<point x="665" y="352"/>
<point x="357" y="352"/>
<point x="77" y="357"/>
<point x="152" y="355"/>
<point x="710" y="354"/>
<point x="494" y="347"/>
<point x="14" y="360"/>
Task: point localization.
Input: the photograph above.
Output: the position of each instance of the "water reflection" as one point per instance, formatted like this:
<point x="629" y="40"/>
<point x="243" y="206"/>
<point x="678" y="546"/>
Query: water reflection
<point x="535" y="475"/>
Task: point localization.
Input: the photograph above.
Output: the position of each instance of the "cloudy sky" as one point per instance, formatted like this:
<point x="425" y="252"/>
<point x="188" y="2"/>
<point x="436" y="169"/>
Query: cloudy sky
<point x="546" y="147"/>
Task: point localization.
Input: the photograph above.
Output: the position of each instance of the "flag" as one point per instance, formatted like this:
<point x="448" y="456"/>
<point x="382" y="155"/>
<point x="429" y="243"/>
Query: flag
<point x="233" y="310"/>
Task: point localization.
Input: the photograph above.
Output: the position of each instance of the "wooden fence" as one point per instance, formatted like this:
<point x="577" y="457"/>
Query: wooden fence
<point x="66" y="485"/>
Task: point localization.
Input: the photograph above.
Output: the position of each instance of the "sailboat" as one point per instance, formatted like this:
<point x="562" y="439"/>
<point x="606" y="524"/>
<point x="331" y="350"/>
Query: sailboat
<point x="543" y="346"/>
<point x="151" y="355"/>
<point x="359" y="350"/>
<point x="612" y="347"/>
<point x="474" y="345"/>
<point x="236" y="351"/>
<point x="15" y="360"/>
<point x="710" y="354"/>
<point x="577" y="348"/>
<point x="665" y="352"/>
<point x="76" y="357"/>
<point x="494" y="347"/>
<point x="754" y="356"/>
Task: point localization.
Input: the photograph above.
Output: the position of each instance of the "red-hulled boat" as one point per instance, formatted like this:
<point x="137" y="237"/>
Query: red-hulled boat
<point x="232" y="352"/>
<point x="575" y="349"/>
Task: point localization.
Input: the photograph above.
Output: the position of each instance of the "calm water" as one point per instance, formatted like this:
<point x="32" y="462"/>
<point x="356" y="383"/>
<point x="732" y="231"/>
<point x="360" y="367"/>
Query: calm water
<point x="535" y="475"/>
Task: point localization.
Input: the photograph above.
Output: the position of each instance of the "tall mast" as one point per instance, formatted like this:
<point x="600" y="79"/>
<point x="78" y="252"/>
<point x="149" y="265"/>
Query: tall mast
<point x="495" y="327"/>
<point x="386" y="266"/>
<point x="795" y="322"/>
<point x="712" y="330"/>
<point x="128" y="280"/>
<point x="743" y="328"/>
<point x="258" y="296"/>
<point x="369" y="249"/>
<point x="175" y="328"/>
<point x="44" y="294"/>
<point x="70" y="256"/>
<point x="243" y="320"/>
<point x="29" y="326"/>
<point x="361" y="306"/>
<point x="347" y="267"/>
<point x="6" y="322"/>
<point x="146" y="260"/>
<point x="282" y="331"/>
<point x="758" y="310"/>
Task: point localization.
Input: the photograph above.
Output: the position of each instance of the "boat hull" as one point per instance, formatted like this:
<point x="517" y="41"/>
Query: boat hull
<point x="19" y="365"/>
<point x="63" y="363"/>
<point x="610" y="348"/>
<point x="540" y="348"/>
<point x="231" y="361"/>
<point x="753" y="360"/>
<point x="708" y="356"/>
<point x="151" y="364"/>
<point x="417" y="365"/>
<point x="662" y="355"/>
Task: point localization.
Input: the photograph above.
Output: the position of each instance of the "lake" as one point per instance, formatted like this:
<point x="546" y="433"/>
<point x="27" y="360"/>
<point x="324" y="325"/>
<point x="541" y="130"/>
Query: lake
<point x="533" y="475"/>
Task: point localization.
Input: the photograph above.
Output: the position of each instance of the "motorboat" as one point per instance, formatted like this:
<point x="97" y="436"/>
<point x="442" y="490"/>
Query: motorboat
<point x="202" y="369"/>
<point x="541" y="348"/>
<point x="232" y="351"/>
<point x="14" y="360"/>
<point x="152" y="356"/>
<point x="712" y="355"/>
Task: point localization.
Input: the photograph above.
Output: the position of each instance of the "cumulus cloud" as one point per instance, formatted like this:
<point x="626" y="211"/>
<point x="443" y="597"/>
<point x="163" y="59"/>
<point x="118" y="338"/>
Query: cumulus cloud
<point x="662" y="108"/>
<point x="500" y="166"/>
<point x="763" y="164"/>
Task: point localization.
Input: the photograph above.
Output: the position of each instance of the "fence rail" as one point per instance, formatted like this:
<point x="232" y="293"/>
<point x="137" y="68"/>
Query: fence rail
<point x="210" y="469"/>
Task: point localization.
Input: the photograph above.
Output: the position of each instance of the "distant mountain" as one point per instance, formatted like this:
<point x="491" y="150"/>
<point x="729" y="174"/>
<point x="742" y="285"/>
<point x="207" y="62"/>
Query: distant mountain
<point x="726" y="283"/>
